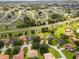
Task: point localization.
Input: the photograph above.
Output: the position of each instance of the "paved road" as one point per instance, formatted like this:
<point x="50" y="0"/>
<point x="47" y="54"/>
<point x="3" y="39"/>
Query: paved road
<point x="46" y="18"/>
<point x="13" y="19"/>
<point x="7" y="13"/>
<point x="39" y="27"/>
<point x="16" y="18"/>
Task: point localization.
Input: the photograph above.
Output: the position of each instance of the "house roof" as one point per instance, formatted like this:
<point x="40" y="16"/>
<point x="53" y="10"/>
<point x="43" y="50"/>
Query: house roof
<point x="60" y="41"/>
<point x="20" y="55"/>
<point x="23" y="37"/>
<point x="5" y="40"/>
<point x="32" y="53"/>
<point x="69" y="31"/>
<point x="4" y="56"/>
<point x="68" y="45"/>
<point x="77" y="55"/>
<point x="48" y="56"/>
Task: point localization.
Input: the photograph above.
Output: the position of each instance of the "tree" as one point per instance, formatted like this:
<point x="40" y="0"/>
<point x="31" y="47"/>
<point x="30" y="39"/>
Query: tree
<point x="74" y="57"/>
<point x="9" y="52"/>
<point x="33" y="31"/>
<point x="18" y="43"/>
<point x="37" y="39"/>
<point x="44" y="29"/>
<point x="19" y="23"/>
<point x="35" y="45"/>
<point x="16" y="50"/>
<point x="43" y="48"/>
<point x="36" y="42"/>
<point x="76" y="42"/>
<point x="10" y="35"/>
<point x="12" y="51"/>
<point x="57" y="17"/>
<point x="27" y="21"/>
<point x="1" y="44"/>
<point x="65" y="38"/>
<point x="77" y="14"/>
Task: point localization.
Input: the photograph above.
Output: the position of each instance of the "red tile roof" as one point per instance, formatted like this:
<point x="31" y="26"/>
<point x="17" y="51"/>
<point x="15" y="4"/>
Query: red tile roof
<point x="77" y="56"/>
<point x="69" y="47"/>
<point x="23" y="37"/>
<point x="4" y="56"/>
<point x="32" y="53"/>
<point x="48" y="56"/>
<point x="20" y="55"/>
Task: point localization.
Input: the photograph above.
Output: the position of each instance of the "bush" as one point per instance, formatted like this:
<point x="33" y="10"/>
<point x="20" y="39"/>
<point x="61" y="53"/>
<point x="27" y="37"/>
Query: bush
<point x="1" y="44"/>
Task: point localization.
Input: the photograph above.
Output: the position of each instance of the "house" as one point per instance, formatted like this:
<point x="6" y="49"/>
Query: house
<point x="6" y="41"/>
<point x="40" y="35"/>
<point x="23" y="38"/>
<point x="20" y="55"/>
<point x="12" y="40"/>
<point x="77" y="55"/>
<point x="48" y="56"/>
<point x="68" y="31"/>
<point x="32" y="53"/>
<point x="60" y="41"/>
<point x="48" y="37"/>
<point x="69" y="47"/>
<point x="29" y="37"/>
<point x="4" y="56"/>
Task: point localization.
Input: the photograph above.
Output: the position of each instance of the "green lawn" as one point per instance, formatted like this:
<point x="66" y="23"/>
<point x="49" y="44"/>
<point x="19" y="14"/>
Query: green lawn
<point x="55" y="53"/>
<point x="60" y="30"/>
<point x="25" y="53"/>
<point x="54" y="42"/>
<point x="39" y="56"/>
<point x="68" y="54"/>
<point x="44" y="36"/>
<point x="74" y="26"/>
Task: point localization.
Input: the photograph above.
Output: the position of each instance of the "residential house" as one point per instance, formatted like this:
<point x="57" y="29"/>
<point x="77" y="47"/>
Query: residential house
<point x="48" y="56"/>
<point x="20" y="55"/>
<point x="32" y="53"/>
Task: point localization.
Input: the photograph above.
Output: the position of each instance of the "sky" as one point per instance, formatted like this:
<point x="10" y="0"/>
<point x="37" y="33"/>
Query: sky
<point x="37" y="0"/>
<point x="29" y="0"/>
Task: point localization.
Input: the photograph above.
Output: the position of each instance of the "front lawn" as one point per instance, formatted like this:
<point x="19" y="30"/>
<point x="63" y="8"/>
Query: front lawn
<point x="68" y="54"/>
<point x="25" y="53"/>
<point x="44" y="36"/>
<point x="39" y="55"/>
